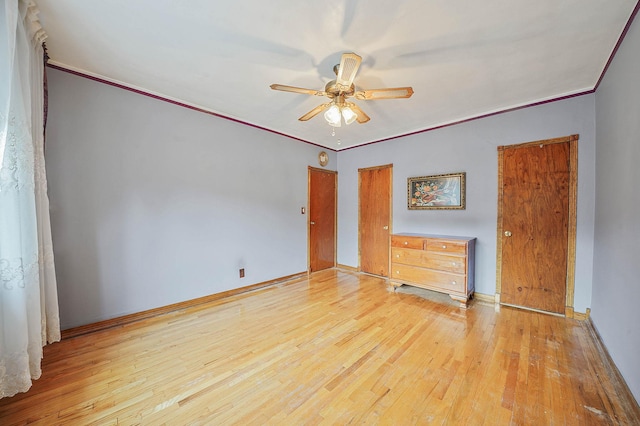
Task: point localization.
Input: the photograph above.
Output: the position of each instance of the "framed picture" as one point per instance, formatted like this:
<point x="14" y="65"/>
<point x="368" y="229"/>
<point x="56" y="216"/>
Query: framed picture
<point x="436" y="192"/>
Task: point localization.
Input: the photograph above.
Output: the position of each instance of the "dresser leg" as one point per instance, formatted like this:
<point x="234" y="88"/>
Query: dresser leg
<point x="395" y="286"/>
<point x="464" y="302"/>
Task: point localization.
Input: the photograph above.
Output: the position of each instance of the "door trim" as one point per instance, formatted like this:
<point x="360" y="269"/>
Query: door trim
<point x="571" y="225"/>
<point x="366" y="169"/>
<point x="335" y="215"/>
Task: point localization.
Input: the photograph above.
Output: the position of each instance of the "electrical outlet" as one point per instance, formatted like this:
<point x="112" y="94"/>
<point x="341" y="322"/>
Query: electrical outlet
<point x="241" y="272"/>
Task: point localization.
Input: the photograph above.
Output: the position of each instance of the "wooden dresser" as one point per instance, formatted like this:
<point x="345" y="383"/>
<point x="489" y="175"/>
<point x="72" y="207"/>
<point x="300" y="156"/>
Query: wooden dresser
<point x="435" y="262"/>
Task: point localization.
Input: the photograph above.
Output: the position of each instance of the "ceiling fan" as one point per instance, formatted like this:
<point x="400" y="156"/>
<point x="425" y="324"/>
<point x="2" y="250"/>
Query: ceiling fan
<point x="341" y="89"/>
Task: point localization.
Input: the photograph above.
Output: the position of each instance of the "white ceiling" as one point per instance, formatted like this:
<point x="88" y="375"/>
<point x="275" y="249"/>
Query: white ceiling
<point x="463" y="59"/>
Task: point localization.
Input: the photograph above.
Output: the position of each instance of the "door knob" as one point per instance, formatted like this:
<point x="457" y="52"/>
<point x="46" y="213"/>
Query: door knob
<point x="313" y="223"/>
<point x="507" y="233"/>
<point x="385" y="227"/>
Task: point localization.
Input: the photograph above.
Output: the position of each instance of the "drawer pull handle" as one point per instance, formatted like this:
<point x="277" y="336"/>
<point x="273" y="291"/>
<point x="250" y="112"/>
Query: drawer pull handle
<point x="444" y="247"/>
<point x="406" y="243"/>
<point x="398" y="256"/>
<point x="453" y="263"/>
<point x="453" y="282"/>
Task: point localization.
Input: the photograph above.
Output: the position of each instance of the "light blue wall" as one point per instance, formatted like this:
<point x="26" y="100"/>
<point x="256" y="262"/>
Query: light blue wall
<point x="153" y="204"/>
<point x="472" y="148"/>
<point x="616" y="265"/>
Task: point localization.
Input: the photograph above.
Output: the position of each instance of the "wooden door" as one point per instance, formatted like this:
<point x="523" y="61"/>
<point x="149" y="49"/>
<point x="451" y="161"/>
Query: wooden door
<point x="322" y="219"/>
<point x="536" y="189"/>
<point x="374" y="222"/>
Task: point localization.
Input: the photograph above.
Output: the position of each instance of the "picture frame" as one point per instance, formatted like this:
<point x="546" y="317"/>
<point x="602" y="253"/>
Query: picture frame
<point x="437" y="192"/>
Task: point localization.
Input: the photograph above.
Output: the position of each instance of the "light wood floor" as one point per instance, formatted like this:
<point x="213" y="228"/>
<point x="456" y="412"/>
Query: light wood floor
<point x="339" y="348"/>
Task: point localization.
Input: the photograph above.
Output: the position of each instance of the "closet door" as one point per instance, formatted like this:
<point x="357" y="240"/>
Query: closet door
<point x="374" y="223"/>
<point x="322" y="219"/>
<point x="535" y="189"/>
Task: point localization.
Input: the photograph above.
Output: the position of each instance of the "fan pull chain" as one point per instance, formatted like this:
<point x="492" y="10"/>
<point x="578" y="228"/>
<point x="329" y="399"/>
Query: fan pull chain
<point x="333" y="133"/>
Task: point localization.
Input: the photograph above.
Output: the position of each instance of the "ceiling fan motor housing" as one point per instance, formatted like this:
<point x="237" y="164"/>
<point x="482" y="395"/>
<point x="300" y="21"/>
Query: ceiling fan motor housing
<point x="333" y="89"/>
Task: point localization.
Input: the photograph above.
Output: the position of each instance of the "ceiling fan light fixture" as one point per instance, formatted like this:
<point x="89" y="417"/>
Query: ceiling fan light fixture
<point x="348" y="115"/>
<point x="340" y="90"/>
<point x="333" y="117"/>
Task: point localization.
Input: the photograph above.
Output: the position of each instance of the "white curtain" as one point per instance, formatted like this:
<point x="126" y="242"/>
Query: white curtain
<point x="28" y="295"/>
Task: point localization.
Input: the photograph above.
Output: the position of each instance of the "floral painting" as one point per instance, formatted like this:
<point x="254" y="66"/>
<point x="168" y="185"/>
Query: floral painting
<point x="436" y="192"/>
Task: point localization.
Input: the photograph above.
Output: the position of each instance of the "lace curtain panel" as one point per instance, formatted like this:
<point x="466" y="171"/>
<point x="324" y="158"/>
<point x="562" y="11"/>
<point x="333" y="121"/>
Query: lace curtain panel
<point x="28" y="296"/>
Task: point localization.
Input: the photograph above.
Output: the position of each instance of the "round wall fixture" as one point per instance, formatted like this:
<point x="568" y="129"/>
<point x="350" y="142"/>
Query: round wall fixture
<point x="323" y="158"/>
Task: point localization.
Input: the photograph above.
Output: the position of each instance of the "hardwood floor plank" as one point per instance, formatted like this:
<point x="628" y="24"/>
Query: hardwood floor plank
<point x="334" y="348"/>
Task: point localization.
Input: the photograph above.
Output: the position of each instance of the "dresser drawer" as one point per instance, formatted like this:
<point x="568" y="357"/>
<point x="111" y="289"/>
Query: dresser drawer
<point x="446" y="246"/>
<point x="448" y="282"/>
<point x="421" y="258"/>
<point x="407" y="242"/>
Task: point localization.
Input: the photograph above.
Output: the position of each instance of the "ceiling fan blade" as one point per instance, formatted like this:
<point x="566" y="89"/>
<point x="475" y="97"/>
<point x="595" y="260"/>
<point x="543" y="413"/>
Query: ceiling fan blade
<point x="392" y="93"/>
<point x="361" y="117"/>
<point x="349" y="65"/>
<point x="293" y="89"/>
<point x="317" y="110"/>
